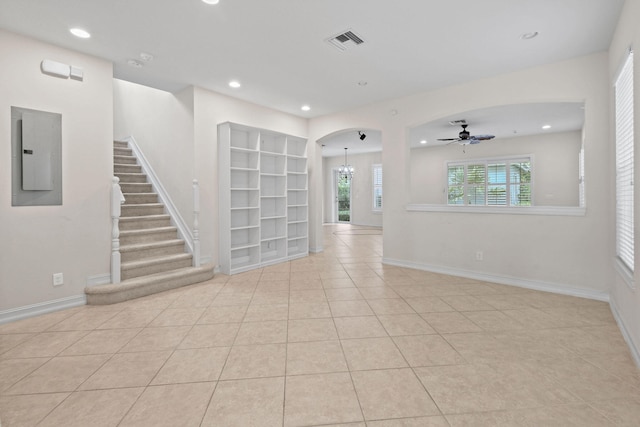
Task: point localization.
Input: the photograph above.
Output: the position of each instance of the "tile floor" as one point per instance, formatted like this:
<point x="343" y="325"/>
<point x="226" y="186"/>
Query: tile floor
<point x="332" y="339"/>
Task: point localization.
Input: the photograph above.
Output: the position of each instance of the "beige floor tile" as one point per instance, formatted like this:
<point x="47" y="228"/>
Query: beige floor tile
<point x="262" y="298"/>
<point x="359" y="327"/>
<point x="301" y="330"/>
<point x="170" y="405"/>
<point x="445" y="289"/>
<point x="255" y="361"/>
<point x="13" y="370"/>
<point x="315" y="358"/>
<point x="343" y="294"/>
<point x="59" y="374"/>
<point x="390" y="306"/>
<point x="506" y="302"/>
<point x="192" y="365"/>
<point x="156" y="339"/>
<point x="478" y="388"/>
<point x="334" y="274"/>
<point x="270" y="332"/>
<point x="131" y="318"/>
<point x="338" y="283"/>
<point x="428" y="304"/>
<point x="38" y="323"/>
<point x="405" y="324"/>
<point x="229" y="314"/>
<point x="127" y="370"/>
<point x="320" y="399"/>
<point x="531" y="318"/>
<point x="378" y="292"/>
<point x="211" y="335"/>
<point x="273" y="286"/>
<point x="466" y="303"/>
<point x="392" y="393"/>
<point x="100" y="408"/>
<point x="433" y="421"/>
<point x="312" y="295"/>
<point x="259" y="313"/>
<point x="576" y="415"/>
<point x="9" y="341"/>
<point x="45" y="344"/>
<point x="350" y="308"/>
<point x="413" y="291"/>
<point x="107" y="341"/>
<point x="372" y="353"/>
<point x="621" y="365"/>
<point x="622" y="412"/>
<point x="247" y="403"/>
<point x="305" y="285"/>
<point x="84" y="320"/>
<point x="224" y="299"/>
<point x="492" y="320"/>
<point x="177" y="317"/>
<point x="28" y="409"/>
<point x="309" y="310"/>
<point x="450" y="323"/>
<point x="427" y="350"/>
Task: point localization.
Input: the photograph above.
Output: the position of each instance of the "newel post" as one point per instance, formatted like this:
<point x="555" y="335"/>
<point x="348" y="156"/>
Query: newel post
<point x="196" y="225"/>
<point x="116" y="200"/>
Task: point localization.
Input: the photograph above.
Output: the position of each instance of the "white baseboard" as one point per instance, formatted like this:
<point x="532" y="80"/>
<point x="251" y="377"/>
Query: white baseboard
<point x="101" y="279"/>
<point x="20" y="313"/>
<point x="316" y="250"/>
<point x="556" y="288"/>
<point x="635" y="354"/>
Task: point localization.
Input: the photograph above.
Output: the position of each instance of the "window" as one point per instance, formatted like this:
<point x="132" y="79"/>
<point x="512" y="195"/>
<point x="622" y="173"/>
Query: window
<point x="377" y="187"/>
<point x="500" y="182"/>
<point x="623" y="93"/>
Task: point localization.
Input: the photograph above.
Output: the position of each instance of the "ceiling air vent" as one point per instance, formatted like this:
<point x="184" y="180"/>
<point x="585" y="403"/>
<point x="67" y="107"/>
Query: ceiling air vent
<point x="345" y="40"/>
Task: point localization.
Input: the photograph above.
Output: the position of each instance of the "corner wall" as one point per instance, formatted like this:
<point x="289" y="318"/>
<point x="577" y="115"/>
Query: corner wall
<point x="74" y="238"/>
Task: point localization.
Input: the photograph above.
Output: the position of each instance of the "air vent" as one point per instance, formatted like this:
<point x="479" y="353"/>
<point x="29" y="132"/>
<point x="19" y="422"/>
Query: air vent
<point x="345" y="40"/>
<point x="458" y="122"/>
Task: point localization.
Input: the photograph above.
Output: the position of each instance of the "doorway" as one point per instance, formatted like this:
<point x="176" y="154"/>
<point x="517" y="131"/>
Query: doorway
<point x="343" y="197"/>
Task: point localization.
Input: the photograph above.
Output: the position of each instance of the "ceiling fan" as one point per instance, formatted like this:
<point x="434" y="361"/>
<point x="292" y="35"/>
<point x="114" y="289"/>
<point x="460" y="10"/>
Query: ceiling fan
<point x="464" y="137"/>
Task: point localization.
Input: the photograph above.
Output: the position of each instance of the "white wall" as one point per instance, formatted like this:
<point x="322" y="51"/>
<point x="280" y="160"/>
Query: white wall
<point x="555" y="166"/>
<point x="625" y="300"/>
<point x="361" y="188"/>
<point x="566" y="253"/>
<point x="75" y="238"/>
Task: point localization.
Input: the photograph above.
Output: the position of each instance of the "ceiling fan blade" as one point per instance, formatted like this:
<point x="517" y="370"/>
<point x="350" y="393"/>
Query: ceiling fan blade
<point x="482" y="137"/>
<point x="449" y="139"/>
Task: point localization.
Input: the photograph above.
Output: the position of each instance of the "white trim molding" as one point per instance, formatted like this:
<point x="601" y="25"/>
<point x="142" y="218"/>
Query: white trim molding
<point x="537" y="285"/>
<point x="635" y="353"/>
<point x="27" y="311"/>
<point x="184" y="231"/>
<point x="506" y="210"/>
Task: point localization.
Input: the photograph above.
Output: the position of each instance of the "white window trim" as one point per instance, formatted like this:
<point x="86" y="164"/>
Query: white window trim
<point x="375" y="209"/>
<point x="486" y="161"/>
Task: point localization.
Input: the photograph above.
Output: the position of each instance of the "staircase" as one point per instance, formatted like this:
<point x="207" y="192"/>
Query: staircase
<point x="153" y="256"/>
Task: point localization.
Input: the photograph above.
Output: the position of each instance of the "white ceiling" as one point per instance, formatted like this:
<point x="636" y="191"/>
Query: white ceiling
<point x="277" y="48"/>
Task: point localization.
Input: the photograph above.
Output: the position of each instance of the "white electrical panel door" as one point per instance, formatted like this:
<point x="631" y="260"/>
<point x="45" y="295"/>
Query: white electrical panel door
<point x="37" y="151"/>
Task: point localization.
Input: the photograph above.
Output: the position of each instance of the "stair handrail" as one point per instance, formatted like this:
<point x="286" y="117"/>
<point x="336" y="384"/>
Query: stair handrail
<point x="196" y="225"/>
<point x="117" y="199"/>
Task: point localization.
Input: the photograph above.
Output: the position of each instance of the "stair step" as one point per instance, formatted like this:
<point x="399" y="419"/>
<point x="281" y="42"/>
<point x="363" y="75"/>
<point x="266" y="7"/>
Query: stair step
<point x="147" y="285"/>
<point x="124" y="160"/>
<point x="140" y="198"/>
<point x="122" y="151"/>
<point x="148" y="266"/>
<point x="136" y="187"/>
<point x="140" y="251"/>
<point x="120" y="144"/>
<point x="155" y="234"/>
<point x="131" y="177"/>
<point x="117" y="168"/>
<point x="142" y="209"/>
<point x="144" y="222"/>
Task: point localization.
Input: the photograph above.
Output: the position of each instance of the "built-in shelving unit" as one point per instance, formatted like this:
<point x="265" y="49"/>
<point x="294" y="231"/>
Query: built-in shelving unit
<point x="263" y="197"/>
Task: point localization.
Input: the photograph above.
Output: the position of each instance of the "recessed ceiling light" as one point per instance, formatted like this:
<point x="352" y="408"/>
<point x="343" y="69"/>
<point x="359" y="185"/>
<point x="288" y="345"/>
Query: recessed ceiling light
<point x="234" y="84"/>
<point x="79" y="32"/>
<point x="362" y="83"/>
<point x="305" y="108"/>
<point x="529" y="36"/>
<point x="211" y="1"/>
<point x="546" y="127"/>
<point x="424" y="141"/>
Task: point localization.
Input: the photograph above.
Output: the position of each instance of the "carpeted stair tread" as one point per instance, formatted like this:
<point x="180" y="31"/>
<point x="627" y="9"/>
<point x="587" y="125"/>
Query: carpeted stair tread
<point x="153" y="261"/>
<point x="151" y="245"/>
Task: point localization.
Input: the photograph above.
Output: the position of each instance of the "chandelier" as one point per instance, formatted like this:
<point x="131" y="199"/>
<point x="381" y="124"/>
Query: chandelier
<point x="346" y="171"/>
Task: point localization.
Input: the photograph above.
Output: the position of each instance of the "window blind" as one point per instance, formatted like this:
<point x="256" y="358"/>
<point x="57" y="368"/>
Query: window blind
<point x="624" y="163"/>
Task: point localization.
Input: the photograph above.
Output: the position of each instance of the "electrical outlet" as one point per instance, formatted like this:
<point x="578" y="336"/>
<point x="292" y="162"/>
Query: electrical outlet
<point x="58" y="279"/>
<point x="479" y="255"/>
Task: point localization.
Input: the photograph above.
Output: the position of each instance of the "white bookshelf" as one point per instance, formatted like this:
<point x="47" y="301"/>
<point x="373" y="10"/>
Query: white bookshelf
<point x="263" y="197"/>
